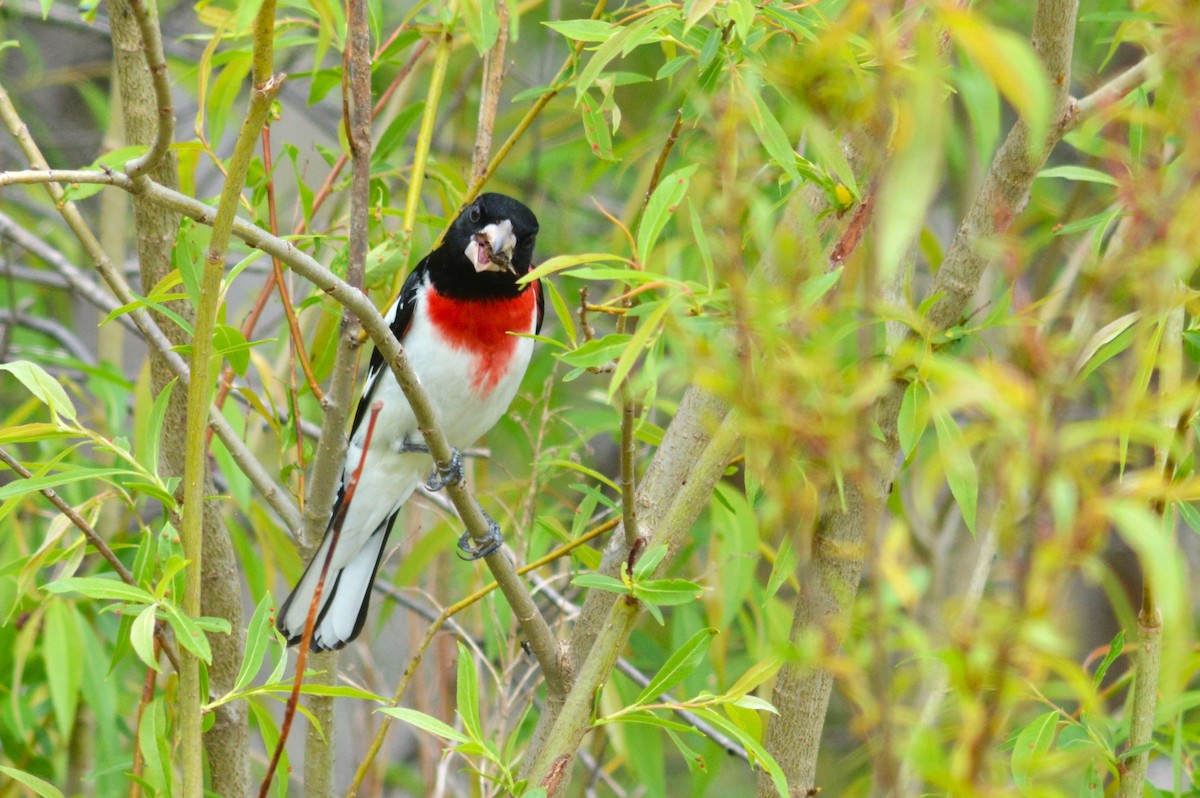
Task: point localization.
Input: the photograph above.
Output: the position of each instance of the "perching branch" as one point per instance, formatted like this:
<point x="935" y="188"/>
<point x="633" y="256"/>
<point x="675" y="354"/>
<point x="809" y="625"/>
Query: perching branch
<point x="534" y="626"/>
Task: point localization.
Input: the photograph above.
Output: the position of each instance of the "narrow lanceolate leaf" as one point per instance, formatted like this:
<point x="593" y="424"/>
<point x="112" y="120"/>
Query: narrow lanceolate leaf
<point x="43" y="788"/>
<point x="426" y="723"/>
<point x="678" y="667"/>
<point x="1032" y="744"/>
<point x="64" y="668"/>
<point x="668" y="592"/>
<point x="772" y="135"/>
<point x="468" y="693"/>
<point x="914" y="416"/>
<point x="600" y="582"/>
<point x="258" y="638"/>
<point x="583" y="30"/>
<point x="1080" y="174"/>
<point x="663" y="202"/>
<point x="141" y="636"/>
<point x="42" y="385"/>
<point x="961" y="473"/>
<point x="751" y="745"/>
<point x="649" y="560"/>
<point x="560" y="262"/>
<point x="99" y="588"/>
<point x="22" y="486"/>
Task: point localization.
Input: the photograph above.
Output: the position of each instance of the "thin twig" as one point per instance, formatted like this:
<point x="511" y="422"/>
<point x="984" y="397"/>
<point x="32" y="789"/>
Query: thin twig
<point x="153" y="48"/>
<point x="493" y="78"/>
<point x="310" y="621"/>
<point x="97" y="542"/>
<point x="530" y="115"/>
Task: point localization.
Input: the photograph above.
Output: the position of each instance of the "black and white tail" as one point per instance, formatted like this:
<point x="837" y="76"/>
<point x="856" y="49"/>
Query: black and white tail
<point x="345" y="597"/>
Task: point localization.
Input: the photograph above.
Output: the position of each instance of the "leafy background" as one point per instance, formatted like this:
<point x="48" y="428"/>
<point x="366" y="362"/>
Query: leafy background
<point x="757" y="199"/>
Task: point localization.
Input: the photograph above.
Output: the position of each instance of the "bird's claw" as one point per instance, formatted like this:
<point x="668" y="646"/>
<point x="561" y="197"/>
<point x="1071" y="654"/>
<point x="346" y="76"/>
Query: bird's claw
<point x="452" y="474"/>
<point x="490" y="545"/>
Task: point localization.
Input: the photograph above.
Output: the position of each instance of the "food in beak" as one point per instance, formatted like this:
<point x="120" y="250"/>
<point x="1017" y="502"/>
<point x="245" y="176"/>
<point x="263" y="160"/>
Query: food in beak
<point x="485" y="254"/>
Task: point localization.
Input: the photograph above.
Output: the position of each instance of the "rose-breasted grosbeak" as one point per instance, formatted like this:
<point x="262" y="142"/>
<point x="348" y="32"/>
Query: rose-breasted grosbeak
<point x="454" y="317"/>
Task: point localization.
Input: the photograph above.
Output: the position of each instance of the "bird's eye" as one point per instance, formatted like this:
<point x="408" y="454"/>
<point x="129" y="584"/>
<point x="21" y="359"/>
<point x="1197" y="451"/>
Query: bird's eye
<point x="474" y="214"/>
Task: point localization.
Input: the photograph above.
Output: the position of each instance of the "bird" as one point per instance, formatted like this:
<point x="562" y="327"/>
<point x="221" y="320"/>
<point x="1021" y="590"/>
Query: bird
<point x="455" y="317"/>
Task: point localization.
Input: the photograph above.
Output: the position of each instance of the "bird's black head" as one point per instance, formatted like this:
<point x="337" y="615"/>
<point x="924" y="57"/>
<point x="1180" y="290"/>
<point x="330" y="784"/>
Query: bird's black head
<point x="487" y="248"/>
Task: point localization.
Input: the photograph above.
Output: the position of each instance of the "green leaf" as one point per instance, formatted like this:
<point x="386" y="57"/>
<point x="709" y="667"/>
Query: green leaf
<point x="154" y="740"/>
<point x="425" y="723"/>
<point x="914" y="416"/>
<point x="560" y="262"/>
<point x="468" y="693"/>
<point x="96" y="587"/>
<point x="141" y="636"/>
<point x="649" y="560"/>
<point x="758" y="673"/>
<point x="229" y="342"/>
<point x="397" y="130"/>
<point x="783" y="567"/>
<point x="42" y="385"/>
<point x="668" y="592"/>
<point x="43" y="788"/>
<point x="1033" y="742"/>
<point x="647" y="329"/>
<point x="666" y="198"/>
<point x="772" y="135"/>
<point x="751" y="745"/>
<point x="679" y="666"/>
<point x="189" y="634"/>
<point x="22" y="486"/>
<point x="960" y="468"/>
<point x="1010" y="63"/>
<point x="1080" y="174"/>
<point x="601" y="582"/>
<point x="595" y="129"/>
<point x="483" y="24"/>
<point x="583" y="30"/>
<point x="1110" y="340"/>
<point x="64" y="668"/>
<point x="258" y="639"/>
<point x="566" y="319"/>
<point x="694" y="759"/>
<point x="1115" y="649"/>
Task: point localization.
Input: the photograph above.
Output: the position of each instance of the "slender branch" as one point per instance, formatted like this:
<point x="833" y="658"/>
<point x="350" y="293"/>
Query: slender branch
<point x="493" y="78"/>
<point x="262" y="94"/>
<point x="412" y="199"/>
<point x="310" y="620"/>
<point x="675" y="509"/>
<point x="556" y="86"/>
<point x="152" y="46"/>
<point x="1110" y="92"/>
<point x="97" y="542"/>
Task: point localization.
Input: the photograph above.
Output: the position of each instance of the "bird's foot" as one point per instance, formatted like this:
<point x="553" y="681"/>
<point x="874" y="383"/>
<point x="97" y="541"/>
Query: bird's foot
<point x="452" y="474"/>
<point x="490" y="545"/>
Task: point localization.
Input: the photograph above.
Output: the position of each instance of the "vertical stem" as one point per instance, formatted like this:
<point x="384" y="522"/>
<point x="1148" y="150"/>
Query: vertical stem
<point x="425" y="138"/>
<point x="261" y="97"/>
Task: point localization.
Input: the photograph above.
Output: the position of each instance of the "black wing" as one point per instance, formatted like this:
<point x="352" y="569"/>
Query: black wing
<point x="541" y="305"/>
<point x="405" y="305"/>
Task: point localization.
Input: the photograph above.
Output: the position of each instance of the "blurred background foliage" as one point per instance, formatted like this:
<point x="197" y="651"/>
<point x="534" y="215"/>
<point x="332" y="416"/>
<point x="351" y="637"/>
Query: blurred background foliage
<point x="1046" y="438"/>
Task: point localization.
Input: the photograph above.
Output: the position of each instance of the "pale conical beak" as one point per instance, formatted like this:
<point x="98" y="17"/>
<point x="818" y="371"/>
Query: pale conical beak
<point x="490" y="250"/>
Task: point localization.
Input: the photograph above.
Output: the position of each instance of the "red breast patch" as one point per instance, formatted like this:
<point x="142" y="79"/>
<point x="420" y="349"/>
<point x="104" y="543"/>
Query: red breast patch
<point x="482" y="327"/>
